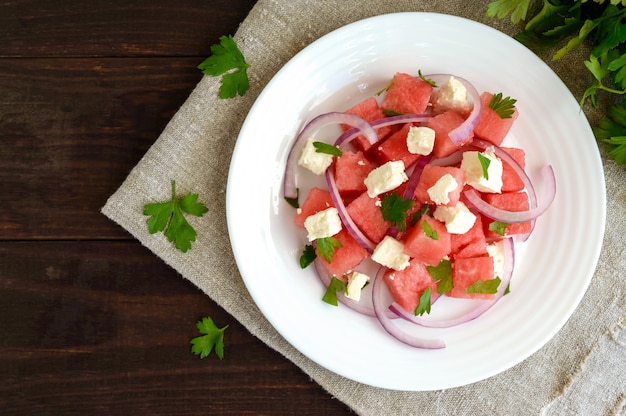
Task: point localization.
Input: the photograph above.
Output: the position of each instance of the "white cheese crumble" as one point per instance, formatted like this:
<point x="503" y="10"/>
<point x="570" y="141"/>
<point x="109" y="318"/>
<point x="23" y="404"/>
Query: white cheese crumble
<point x="496" y="251"/>
<point x="420" y="140"/>
<point x="312" y="160"/>
<point x="474" y="174"/>
<point x="323" y="224"/>
<point x="390" y="253"/>
<point x="438" y="193"/>
<point x="458" y="219"/>
<point x="452" y="95"/>
<point x="356" y="283"/>
<point x="385" y="178"/>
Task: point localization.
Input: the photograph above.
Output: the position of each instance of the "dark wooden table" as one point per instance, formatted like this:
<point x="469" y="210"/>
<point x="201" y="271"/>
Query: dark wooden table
<point x="91" y="322"/>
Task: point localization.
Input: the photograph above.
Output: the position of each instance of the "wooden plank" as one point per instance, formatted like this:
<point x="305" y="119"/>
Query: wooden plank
<point x="71" y="130"/>
<point x="116" y="27"/>
<point x="104" y="328"/>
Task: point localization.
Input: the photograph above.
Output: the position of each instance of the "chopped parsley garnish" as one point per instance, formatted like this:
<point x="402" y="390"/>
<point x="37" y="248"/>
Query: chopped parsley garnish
<point x="168" y="217"/>
<point x="498" y="227"/>
<point x="334" y="286"/>
<point x="442" y="274"/>
<point x="326" y="247"/>
<point x="228" y="61"/>
<point x="308" y="256"/>
<point x="321" y="147"/>
<point x="426" y="209"/>
<point x="395" y="209"/>
<point x="504" y="107"/>
<point x="484" y="163"/>
<point x="429" y="230"/>
<point x="390" y="113"/>
<point x="428" y="80"/>
<point x="484" y="286"/>
<point x="213" y="338"/>
<point x="294" y="202"/>
<point x="424" y="305"/>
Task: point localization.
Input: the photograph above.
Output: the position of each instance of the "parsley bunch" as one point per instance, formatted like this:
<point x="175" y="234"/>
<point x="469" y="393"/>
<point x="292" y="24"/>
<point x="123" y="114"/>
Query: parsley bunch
<point x="566" y="24"/>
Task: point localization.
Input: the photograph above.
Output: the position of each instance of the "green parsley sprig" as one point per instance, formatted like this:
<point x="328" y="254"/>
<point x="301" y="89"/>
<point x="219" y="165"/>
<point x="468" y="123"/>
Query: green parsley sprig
<point x="168" y="217"/>
<point x="212" y="338"/>
<point x="227" y="60"/>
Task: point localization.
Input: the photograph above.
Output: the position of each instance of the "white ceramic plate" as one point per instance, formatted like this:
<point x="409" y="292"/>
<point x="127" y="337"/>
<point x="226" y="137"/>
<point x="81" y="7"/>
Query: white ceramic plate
<point x="554" y="268"/>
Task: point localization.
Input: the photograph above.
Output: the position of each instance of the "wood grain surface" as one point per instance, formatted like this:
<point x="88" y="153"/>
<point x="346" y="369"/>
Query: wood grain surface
<point x="91" y="322"/>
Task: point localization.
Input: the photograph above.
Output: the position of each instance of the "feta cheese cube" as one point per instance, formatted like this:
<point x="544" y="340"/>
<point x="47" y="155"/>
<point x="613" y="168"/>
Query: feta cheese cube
<point x="458" y="219"/>
<point x="356" y="283"/>
<point x="312" y="160"/>
<point x="323" y="224"/>
<point x="438" y="193"/>
<point x="452" y="95"/>
<point x="390" y="253"/>
<point x="420" y="140"/>
<point x="385" y="178"/>
<point x="474" y="175"/>
<point x="496" y="251"/>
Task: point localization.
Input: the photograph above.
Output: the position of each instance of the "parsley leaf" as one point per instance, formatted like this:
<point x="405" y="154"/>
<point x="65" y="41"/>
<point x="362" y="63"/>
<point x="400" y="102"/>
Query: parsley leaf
<point x="429" y="230"/>
<point x="395" y="209"/>
<point x="484" y="286"/>
<point x="442" y="274"/>
<point x="169" y="218"/>
<point x="294" y="202"/>
<point x="498" y="227"/>
<point x="228" y="61"/>
<point x="321" y="147"/>
<point x="484" y="163"/>
<point x="424" y="305"/>
<point x="502" y="8"/>
<point x="213" y="338"/>
<point x="334" y="286"/>
<point x="428" y="80"/>
<point x="326" y="247"/>
<point x="308" y="256"/>
<point x="426" y="209"/>
<point x="504" y="107"/>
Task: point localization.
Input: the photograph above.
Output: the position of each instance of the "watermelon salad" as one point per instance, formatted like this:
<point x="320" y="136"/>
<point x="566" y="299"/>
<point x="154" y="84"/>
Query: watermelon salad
<point x="419" y="199"/>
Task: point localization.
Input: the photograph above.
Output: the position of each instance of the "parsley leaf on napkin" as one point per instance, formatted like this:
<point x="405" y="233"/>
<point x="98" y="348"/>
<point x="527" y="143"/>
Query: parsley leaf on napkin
<point x="228" y="61"/>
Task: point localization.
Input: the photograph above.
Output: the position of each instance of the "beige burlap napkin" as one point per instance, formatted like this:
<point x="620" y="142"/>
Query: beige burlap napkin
<point x="581" y="371"/>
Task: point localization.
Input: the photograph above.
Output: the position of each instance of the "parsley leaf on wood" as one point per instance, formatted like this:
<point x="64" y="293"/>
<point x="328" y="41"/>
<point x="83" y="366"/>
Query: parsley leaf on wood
<point x="228" y="61"/>
<point x="504" y="107"/>
<point x="334" y="286"/>
<point x="424" y="305"/>
<point x="326" y="247"/>
<point x="442" y="274"/>
<point x="213" y="338"/>
<point x="484" y="286"/>
<point x="395" y="209"/>
<point x="169" y="218"/>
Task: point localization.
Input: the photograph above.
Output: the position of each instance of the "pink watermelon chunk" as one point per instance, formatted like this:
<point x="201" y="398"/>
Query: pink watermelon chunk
<point x="317" y="200"/>
<point x="430" y="175"/>
<point x="490" y="126"/>
<point x="471" y="244"/>
<point x="366" y="214"/>
<point x="466" y="271"/>
<point x="347" y="257"/>
<point x="443" y="124"/>
<point x="395" y="148"/>
<point x="351" y="169"/>
<point x="368" y="110"/>
<point x="407" y="95"/>
<point x="408" y="285"/>
<point x="423" y="247"/>
<point x="511" y="182"/>
<point x="509" y="201"/>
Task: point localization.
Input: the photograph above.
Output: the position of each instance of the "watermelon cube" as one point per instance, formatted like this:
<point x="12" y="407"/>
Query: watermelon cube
<point x="508" y="201"/>
<point x="470" y="244"/>
<point x="467" y="271"/>
<point x="317" y="200"/>
<point x="430" y="175"/>
<point x="490" y="126"/>
<point x="443" y="124"/>
<point x="366" y="214"/>
<point x="351" y="169"/>
<point x="408" y="285"/>
<point x="369" y="110"/>
<point x="346" y="257"/>
<point x="426" y="246"/>
<point x="407" y="95"/>
<point x="511" y="182"/>
<point x="395" y="148"/>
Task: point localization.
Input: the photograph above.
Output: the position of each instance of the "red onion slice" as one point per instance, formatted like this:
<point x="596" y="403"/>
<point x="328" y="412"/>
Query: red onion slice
<point x="465" y="129"/>
<point x="387" y="323"/>
<point x="319" y="122"/>
<point x="350" y="134"/>
<point x="512" y="217"/>
<point x="482" y="306"/>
